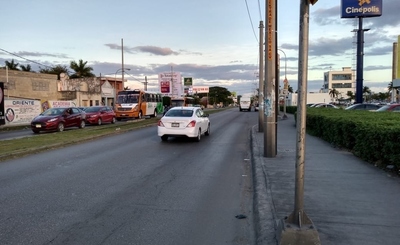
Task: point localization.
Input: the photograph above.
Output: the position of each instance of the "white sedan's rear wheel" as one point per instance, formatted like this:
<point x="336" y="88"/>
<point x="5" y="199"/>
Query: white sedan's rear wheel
<point x="198" y="138"/>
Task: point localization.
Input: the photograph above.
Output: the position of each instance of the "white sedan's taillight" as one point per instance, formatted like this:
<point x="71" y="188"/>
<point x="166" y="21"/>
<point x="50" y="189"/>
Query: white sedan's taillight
<point x="160" y="124"/>
<point x="192" y="124"/>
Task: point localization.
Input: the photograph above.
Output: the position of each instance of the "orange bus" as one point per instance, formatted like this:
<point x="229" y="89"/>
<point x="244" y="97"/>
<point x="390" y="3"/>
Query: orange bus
<point x="183" y="101"/>
<point x="138" y="104"/>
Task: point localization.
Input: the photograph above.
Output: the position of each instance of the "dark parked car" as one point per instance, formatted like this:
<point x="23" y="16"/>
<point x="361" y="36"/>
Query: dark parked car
<point x="99" y="115"/>
<point x="391" y="107"/>
<point x="57" y="119"/>
<point x="364" y="106"/>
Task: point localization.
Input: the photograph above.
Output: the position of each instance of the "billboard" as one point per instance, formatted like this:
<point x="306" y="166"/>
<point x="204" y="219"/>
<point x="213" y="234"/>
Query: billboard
<point x="170" y="84"/>
<point x="201" y="89"/>
<point x="361" y="8"/>
<point x="21" y="112"/>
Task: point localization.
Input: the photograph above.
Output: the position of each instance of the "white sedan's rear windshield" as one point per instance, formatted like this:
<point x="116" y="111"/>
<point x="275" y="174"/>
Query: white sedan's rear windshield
<point x="179" y="113"/>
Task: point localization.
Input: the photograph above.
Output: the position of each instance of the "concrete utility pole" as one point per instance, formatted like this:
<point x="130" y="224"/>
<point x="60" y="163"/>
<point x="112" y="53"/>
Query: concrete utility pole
<point x="298" y="228"/>
<point x="270" y="73"/>
<point x="123" y="70"/>
<point x="261" y="81"/>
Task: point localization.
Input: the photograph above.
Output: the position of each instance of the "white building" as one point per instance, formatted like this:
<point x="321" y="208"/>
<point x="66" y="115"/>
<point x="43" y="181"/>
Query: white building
<point x="343" y="81"/>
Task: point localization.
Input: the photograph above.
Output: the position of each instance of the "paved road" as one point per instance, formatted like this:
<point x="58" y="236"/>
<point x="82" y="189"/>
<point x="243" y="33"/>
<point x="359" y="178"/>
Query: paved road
<point x="132" y="188"/>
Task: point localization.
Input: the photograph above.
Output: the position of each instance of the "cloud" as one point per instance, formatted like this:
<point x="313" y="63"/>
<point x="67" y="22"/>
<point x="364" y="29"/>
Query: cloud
<point x="154" y="50"/>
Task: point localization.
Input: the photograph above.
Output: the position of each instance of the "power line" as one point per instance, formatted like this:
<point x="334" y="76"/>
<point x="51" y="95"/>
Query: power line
<point x="251" y="22"/>
<point x="259" y="10"/>
<point x="25" y="58"/>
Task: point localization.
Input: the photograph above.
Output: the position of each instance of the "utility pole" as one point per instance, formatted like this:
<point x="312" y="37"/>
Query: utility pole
<point x="123" y="70"/>
<point x="145" y="83"/>
<point x="298" y="227"/>
<point x="394" y="71"/>
<point x="269" y="88"/>
<point x="261" y="81"/>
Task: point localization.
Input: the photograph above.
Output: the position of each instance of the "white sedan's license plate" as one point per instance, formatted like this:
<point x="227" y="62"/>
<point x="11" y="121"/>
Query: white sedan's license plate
<point x="175" y="125"/>
<point x="38" y="126"/>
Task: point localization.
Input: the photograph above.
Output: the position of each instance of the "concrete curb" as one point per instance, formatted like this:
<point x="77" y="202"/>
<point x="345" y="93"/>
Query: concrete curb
<point x="263" y="206"/>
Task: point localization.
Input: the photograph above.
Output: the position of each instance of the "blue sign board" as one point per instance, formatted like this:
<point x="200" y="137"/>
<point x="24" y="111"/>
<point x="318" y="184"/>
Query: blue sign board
<point x="361" y="8"/>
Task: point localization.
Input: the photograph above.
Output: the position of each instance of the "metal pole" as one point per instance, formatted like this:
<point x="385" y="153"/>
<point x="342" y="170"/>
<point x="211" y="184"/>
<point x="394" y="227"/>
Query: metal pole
<point x="394" y="72"/>
<point x="261" y="81"/>
<point x="269" y="88"/>
<point x="298" y="213"/>
<point x="123" y="71"/>
<point x="360" y="61"/>
<point x="145" y="83"/>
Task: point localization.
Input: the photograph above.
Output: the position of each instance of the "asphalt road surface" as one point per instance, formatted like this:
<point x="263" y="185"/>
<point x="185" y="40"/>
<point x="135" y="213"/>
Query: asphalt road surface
<point x="132" y="188"/>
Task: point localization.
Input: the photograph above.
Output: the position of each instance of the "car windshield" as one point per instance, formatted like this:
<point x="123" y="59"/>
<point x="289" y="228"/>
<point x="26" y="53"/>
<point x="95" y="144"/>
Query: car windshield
<point x="179" y="113"/>
<point x="351" y="107"/>
<point x="128" y="98"/>
<point x="53" y="112"/>
<point x="92" y="109"/>
<point x="384" y="108"/>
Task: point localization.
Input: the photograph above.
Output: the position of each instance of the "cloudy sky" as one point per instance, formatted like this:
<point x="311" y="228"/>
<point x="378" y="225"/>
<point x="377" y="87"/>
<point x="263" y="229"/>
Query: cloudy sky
<point x="213" y="41"/>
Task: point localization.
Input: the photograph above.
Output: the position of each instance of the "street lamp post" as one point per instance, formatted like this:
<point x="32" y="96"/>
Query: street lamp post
<point x="115" y="82"/>
<point x="285" y="86"/>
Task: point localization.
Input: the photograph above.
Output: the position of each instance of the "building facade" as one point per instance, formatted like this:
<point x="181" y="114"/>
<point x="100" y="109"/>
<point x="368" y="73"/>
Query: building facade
<point x="342" y="81"/>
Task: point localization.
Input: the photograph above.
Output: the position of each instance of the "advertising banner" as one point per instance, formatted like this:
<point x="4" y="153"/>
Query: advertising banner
<point x="187" y="81"/>
<point x="201" y="89"/>
<point x="361" y="8"/>
<point x="2" y="118"/>
<point x="170" y="84"/>
<point x="21" y="112"/>
<point x="57" y="103"/>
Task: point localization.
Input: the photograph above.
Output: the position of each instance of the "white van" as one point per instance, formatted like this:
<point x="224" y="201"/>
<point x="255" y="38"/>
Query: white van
<point x="245" y="104"/>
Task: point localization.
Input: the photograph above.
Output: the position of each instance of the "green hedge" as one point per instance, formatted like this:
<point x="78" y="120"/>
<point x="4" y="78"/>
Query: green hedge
<point x="372" y="136"/>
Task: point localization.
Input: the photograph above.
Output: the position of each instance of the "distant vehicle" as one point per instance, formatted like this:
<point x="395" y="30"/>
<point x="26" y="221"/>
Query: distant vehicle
<point x="245" y="103"/>
<point x="364" y="106"/>
<point x="137" y="104"/>
<point x="184" y="121"/>
<point x="57" y="119"/>
<point x="391" y="107"/>
<point x="99" y="115"/>
<point x="183" y="101"/>
<point x="325" y="105"/>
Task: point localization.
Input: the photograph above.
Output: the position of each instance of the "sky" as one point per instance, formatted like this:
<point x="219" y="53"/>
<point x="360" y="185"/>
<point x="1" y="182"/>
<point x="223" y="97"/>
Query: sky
<point x="216" y="42"/>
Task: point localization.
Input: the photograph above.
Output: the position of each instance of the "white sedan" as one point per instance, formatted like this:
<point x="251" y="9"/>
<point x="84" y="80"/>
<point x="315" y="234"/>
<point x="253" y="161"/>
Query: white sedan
<point x="189" y="122"/>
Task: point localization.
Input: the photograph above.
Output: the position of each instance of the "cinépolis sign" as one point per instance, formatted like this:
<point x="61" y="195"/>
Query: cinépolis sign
<point x="361" y="8"/>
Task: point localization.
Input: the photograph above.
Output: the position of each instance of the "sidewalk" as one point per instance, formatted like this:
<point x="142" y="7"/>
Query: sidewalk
<point x="348" y="200"/>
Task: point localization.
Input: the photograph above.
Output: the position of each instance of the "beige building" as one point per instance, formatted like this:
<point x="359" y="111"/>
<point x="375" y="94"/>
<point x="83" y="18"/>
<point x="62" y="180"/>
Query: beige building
<point x="46" y="87"/>
<point x="343" y="81"/>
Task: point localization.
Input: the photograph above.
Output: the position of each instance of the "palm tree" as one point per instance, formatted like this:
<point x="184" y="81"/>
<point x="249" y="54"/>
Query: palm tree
<point x="81" y="70"/>
<point x="290" y="89"/>
<point x="366" y="91"/>
<point x="333" y="93"/>
<point x="26" y="68"/>
<point x="12" y="65"/>
<point x="57" y="70"/>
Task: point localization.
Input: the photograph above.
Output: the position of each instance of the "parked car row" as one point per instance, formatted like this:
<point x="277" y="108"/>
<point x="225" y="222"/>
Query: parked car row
<point x="394" y="107"/>
<point x="57" y="119"/>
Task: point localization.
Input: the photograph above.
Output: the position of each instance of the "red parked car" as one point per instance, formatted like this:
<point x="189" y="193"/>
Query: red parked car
<point x="99" y="115"/>
<point x="57" y="119"/>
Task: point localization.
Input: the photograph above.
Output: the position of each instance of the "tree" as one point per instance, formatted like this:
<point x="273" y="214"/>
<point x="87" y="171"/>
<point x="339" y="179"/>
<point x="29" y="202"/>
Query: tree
<point x="351" y="95"/>
<point x="12" y="65"/>
<point x="26" y="68"/>
<point x="390" y="87"/>
<point x="333" y="93"/>
<point x="81" y="70"/>
<point x="366" y="91"/>
<point x="219" y="95"/>
<point x="126" y="88"/>
<point x="57" y="70"/>
<point x="290" y="89"/>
